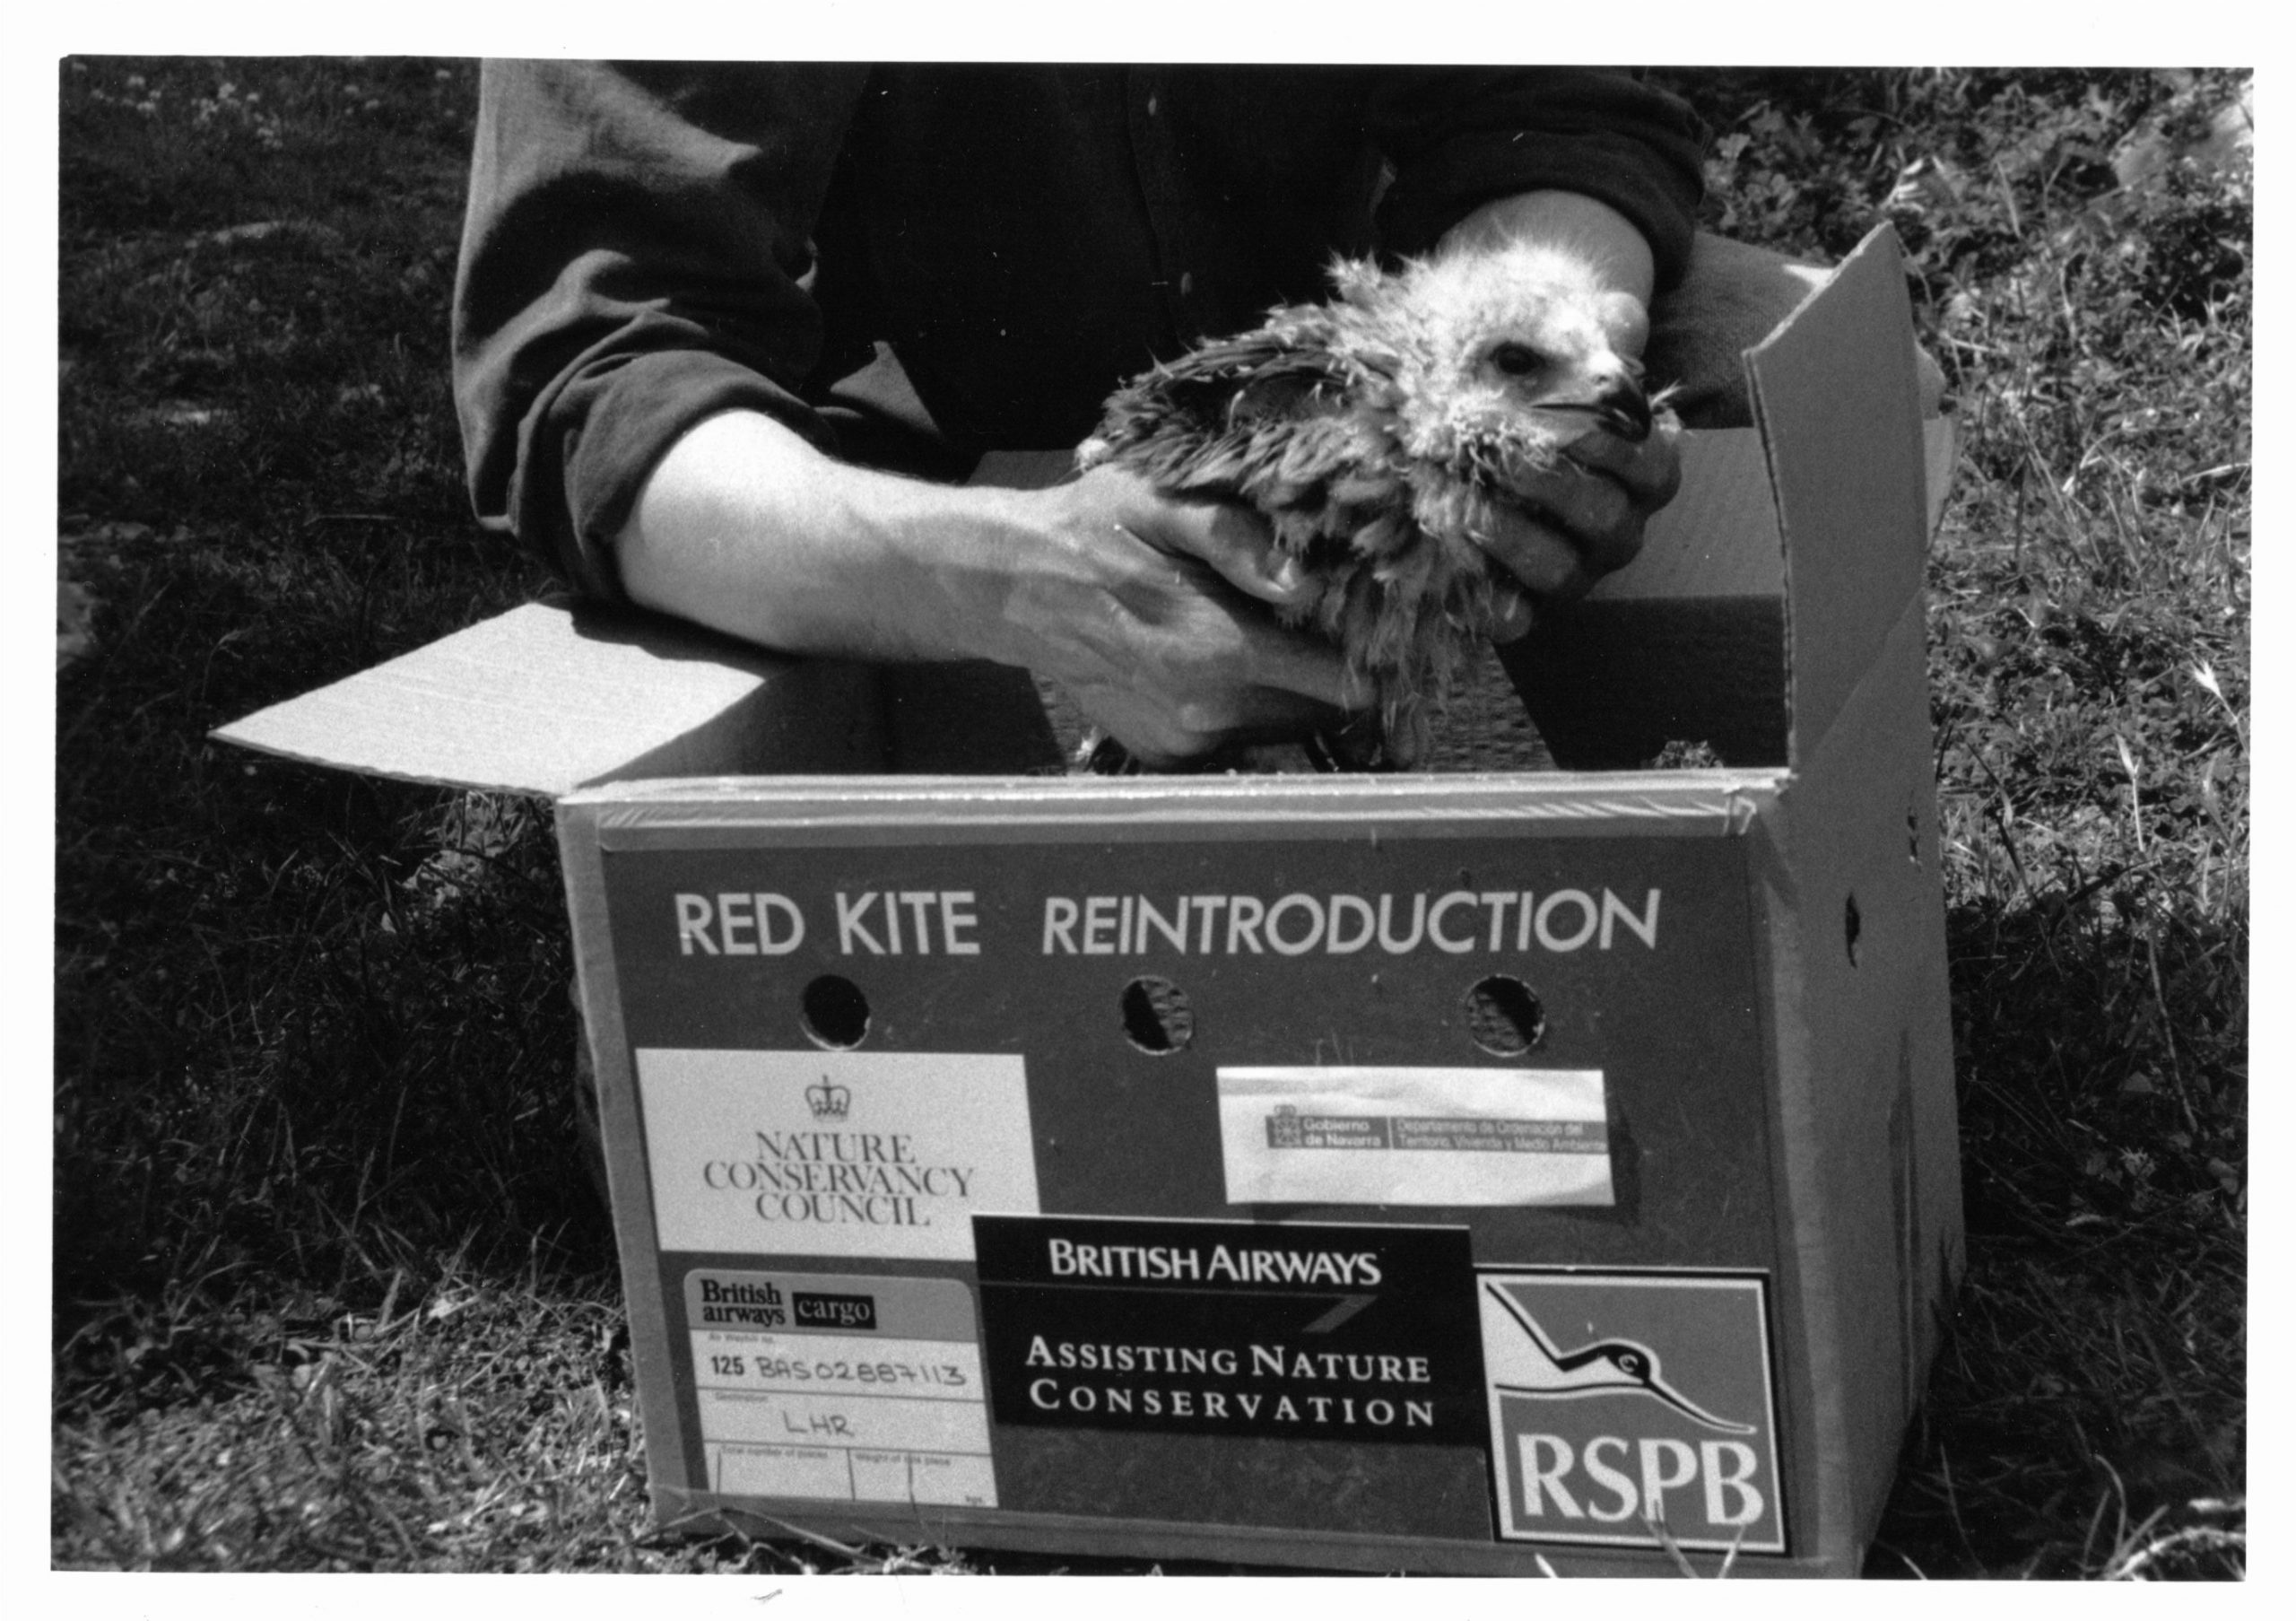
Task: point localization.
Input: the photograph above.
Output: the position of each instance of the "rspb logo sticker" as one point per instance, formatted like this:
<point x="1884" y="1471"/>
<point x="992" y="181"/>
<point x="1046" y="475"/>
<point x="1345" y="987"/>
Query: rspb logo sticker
<point x="1621" y="1401"/>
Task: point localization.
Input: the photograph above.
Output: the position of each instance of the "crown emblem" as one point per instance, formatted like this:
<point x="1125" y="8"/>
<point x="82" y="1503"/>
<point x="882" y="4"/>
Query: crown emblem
<point x="829" y="1102"/>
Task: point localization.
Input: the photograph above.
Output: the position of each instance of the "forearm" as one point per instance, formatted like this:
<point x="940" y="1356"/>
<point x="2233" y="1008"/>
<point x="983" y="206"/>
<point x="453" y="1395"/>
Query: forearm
<point x="1603" y="236"/>
<point x="1150" y="612"/>
<point x="1461" y="138"/>
<point x="745" y="528"/>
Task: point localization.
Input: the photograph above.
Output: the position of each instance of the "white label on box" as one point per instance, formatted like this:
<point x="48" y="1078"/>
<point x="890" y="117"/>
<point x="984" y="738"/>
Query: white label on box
<point x="851" y="1475"/>
<point x="834" y="1153"/>
<point x="871" y="1393"/>
<point x="1347" y="1135"/>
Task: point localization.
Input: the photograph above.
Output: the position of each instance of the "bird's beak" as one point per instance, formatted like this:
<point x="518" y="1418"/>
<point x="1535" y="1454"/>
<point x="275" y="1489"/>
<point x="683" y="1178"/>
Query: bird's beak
<point x="1618" y="406"/>
<point x="1625" y="410"/>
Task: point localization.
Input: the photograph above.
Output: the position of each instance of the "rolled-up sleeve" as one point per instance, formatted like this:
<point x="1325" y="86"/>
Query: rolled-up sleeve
<point x="634" y="259"/>
<point x="1459" y="138"/>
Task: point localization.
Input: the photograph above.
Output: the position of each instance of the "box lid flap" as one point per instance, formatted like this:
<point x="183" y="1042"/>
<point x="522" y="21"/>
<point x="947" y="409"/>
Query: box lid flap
<point x="1836" y="393"/>
<point x="541" y="700"/>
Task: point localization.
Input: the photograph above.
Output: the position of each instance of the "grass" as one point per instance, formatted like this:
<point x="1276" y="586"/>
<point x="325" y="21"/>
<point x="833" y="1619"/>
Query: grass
<point x="329" y="1291"/>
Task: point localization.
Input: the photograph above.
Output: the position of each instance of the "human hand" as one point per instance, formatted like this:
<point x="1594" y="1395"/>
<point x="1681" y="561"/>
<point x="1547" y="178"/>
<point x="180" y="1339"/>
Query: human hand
<point x="1568" y="528"/>
<point x="1155" y="613"/>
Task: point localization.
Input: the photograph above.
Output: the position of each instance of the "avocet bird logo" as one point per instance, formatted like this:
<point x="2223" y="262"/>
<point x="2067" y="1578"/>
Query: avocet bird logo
<point x="1602" y="1368"/>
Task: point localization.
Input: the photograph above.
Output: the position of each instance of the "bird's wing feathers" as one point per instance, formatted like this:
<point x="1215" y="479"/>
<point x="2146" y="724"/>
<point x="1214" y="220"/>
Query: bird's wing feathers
<point x="1288" y="418"/>
<point x="1267" y="374"/>
<point x="1304" y="420"/>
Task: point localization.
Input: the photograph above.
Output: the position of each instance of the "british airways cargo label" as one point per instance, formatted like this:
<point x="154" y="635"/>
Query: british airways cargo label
<point x="1301" y="1331"/>
<point x="853" y="1389"/>
<point x="1619" y="1402"/>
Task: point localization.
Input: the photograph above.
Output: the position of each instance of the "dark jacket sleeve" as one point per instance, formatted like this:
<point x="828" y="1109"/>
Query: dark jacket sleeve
<point x="1459" y="138"/>
<point x="633" y="259"/>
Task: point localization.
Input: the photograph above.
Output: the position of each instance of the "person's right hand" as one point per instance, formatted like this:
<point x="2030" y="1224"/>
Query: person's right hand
<point x="1155" y="614"/>
<point x="1158" y="616"/>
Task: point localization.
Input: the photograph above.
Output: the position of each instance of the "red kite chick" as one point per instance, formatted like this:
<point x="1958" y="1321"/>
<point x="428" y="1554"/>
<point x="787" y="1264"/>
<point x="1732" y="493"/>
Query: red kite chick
<point x="1380" y="434"/>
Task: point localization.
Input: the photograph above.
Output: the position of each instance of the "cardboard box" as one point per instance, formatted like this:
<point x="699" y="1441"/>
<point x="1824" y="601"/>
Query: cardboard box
<point x="1451" y="1173"/>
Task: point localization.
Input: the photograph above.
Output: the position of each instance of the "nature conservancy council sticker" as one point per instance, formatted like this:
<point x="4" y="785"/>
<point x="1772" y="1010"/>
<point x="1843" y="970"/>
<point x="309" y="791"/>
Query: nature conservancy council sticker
<point x="834" y="1153"/>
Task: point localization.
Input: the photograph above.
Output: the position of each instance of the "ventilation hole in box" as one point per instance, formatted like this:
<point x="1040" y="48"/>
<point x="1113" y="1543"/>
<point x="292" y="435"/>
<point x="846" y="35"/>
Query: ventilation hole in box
<point x="836" y="1013"/>
<point x="1504" y="1016"/>
<point x="1157" y="1018"/>
<point x="1851" y="926"/>
<point x="1913" y="837"/>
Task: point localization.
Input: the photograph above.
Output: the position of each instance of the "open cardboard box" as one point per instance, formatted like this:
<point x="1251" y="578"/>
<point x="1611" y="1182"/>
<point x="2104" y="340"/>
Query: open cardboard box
<point x="1460" y="1173"/>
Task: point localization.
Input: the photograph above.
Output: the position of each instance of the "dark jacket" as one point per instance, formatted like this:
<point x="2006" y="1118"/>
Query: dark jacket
<point x="648" y="245"/>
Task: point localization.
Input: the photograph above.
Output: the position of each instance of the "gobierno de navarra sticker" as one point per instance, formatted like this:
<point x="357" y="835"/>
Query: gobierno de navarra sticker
<point x="1621" y="1402"/>
<point x="1413" y="1135"/>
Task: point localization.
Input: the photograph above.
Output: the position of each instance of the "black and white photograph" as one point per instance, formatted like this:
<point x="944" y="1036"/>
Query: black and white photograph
<point x="1271" y="814"/>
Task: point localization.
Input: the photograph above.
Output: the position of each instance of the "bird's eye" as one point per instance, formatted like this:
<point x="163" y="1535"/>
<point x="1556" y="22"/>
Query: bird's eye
<point x="1515" y="359"/>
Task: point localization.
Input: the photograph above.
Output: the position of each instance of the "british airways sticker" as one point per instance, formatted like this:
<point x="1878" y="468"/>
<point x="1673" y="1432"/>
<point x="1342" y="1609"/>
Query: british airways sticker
<point x="1304" y="1331"/>
<point x="1625" y="1402"/>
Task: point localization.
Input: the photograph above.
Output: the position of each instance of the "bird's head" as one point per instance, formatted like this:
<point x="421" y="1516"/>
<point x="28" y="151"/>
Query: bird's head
<point x="1633" y="1361"/>
<point x="1511" y="353"/>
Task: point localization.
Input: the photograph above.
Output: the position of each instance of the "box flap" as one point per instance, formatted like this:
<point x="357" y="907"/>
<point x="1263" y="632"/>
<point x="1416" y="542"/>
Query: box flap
<point x="1940" y="447"/>
<point x="544" y="700"/>
<point x="1836" y="394"/>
